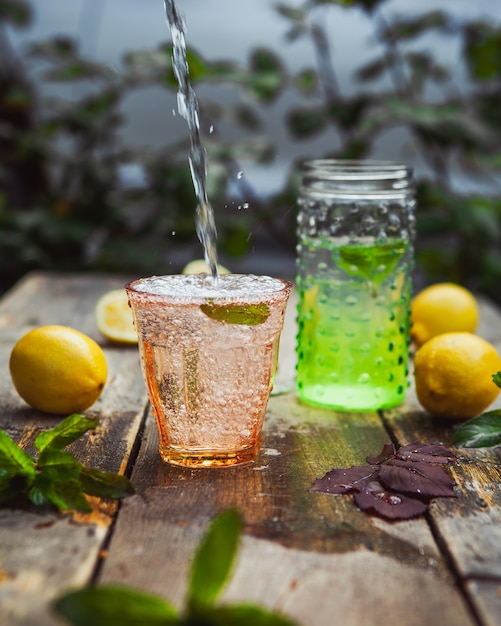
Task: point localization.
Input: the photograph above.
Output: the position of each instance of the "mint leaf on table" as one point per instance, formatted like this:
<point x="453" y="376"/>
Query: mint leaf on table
<point x="214" y="559"/>
<point x="483" y="431"/>
<point x="64" y="495"/>
<point x="396" y="484"/>
<point x="56" y="477"/>
<point x="105" y="484"/>
<point x="13" y="460"/>
<point x="111" y="605"/>
<point x="66" y="432"/>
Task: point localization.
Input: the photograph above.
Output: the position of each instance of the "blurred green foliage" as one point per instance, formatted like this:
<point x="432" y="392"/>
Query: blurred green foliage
<point x="63" y="205"/>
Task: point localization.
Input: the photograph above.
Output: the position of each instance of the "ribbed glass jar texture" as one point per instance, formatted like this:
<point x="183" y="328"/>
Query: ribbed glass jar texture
<point x="356" y="228"/>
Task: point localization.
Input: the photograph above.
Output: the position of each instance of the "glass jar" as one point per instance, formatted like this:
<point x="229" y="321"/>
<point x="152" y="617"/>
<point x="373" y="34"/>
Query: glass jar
<point x="356" y="228"/>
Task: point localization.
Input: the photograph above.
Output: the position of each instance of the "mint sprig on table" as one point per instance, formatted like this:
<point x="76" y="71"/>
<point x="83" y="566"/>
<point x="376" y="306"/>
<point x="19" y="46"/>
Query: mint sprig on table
<point x="112" y="605"/>
<point x="55" y="477"/>
<point x="483" y="431"/>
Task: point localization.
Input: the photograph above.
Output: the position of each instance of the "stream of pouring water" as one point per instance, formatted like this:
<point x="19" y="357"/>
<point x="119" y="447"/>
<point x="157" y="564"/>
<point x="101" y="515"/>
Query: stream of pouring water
<point x="187" y="105"/>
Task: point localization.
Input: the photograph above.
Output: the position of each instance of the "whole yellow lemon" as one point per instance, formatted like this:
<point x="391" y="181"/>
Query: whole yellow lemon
<point x="453" y="375"/>
<point x="442" y="308"/>
<point x="57" y="369"/>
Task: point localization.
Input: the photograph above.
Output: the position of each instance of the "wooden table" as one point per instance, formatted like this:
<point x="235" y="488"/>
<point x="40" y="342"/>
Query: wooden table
<point x="315" y="557"/>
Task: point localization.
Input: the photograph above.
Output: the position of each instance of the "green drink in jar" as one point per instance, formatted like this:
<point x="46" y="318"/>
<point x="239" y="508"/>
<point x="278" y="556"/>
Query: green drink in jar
<point x="355" y="260"/>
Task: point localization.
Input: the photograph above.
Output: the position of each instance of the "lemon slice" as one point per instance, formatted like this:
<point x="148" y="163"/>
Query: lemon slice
<point x="199" y="266"/>
<point x="114" y="317"/>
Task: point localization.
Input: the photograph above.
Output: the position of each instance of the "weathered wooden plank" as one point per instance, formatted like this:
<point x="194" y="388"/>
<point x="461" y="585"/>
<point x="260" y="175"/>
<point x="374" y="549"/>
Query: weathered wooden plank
<point x="486" y="597"/>
<point x="41" y="552"/>
<point x="312" y="555"/>
<point x="470" y="526"/>
<point x="53" y="298"/>
<point x="309" y="554"/>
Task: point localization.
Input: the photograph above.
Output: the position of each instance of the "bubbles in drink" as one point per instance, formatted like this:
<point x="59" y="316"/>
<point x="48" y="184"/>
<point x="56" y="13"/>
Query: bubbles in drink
<point x="209" y="356"/>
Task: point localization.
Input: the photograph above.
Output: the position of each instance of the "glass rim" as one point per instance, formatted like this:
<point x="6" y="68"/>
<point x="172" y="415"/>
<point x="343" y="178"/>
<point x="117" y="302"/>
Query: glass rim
<point x="284" y="287"/>
<point x="363" y="168"/>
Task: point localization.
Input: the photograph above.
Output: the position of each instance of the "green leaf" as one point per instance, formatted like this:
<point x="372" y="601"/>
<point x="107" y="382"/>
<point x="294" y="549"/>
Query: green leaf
<point x="115" y="606"/>
<point x="497" y="379"/>
<point x="57" y="465"/>
<point x="63" y="495"/>
<point x="483" y="431"/>
<point x="13" y="460"/>
<point x="77" y="70"/>
<point x="483" y="50"/>
<point x="373" y="70"/>
<point x="404" y="29"/>
<point x="245" y="314"/>
<point x="58" y="48"/>
<point x="306" y="82"/>
<point x="105" y="484"/>
<point x="67" y="431"/>
<point x="12" y="487"/>
<point x="305" y="122"/>
<point x="18" y="12"/>
<point x="244" y="615"/>
<point x="213" y="560"/>
<point x="291" y="13"/>
<point x="267" y="77"/>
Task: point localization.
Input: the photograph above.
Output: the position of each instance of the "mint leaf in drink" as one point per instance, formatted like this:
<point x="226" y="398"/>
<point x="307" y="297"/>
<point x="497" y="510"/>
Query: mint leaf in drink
<point x="244" y="314"/>
<point x="213" y="560"/>
<point x="66" y="432"/>
<point x="396" y="484"/>
<point x="112" y="605"/>
<point x="483" y="431"/>
<point x="374" y="262"/>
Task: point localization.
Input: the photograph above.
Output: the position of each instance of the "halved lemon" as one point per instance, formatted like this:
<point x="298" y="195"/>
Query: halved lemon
<point x="114" y="317"/>
<point x="199" y="266"/>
